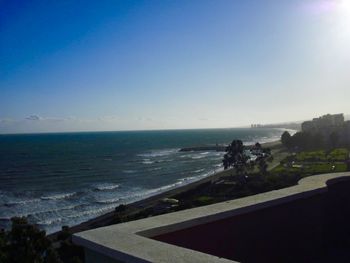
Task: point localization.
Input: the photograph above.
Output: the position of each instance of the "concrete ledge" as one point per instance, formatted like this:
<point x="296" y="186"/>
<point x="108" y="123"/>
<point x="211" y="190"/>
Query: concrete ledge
<point x="131" y="241"/>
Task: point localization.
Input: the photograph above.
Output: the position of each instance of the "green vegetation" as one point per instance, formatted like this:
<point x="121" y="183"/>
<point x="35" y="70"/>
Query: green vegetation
<point x="235" y="156"/>
<point x="314" y="162"/>
<point x="302" y="141"/>
<point x="311" y="156"/>
<point x="204" y="200"/>
<point x="311" y="169"/>
<point x="26" y="243"/>
<point x="340" y="154"/>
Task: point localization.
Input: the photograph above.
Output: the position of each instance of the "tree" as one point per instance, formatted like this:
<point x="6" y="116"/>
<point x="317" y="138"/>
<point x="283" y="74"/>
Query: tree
<point x="258" y="146"/>
<point x="262" y="165"/>
<point x="25" y="243"/>
<point x="334" y="139"/>
<point x="235" y="156"/>
<point x="285" y="138"/>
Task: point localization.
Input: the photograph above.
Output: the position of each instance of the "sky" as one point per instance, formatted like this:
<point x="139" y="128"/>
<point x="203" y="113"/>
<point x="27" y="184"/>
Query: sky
<point x="137" y="65"/>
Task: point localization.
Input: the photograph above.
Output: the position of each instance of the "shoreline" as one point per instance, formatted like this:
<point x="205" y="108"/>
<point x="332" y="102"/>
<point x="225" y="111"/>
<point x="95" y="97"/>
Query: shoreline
<point x="150" y="201"/>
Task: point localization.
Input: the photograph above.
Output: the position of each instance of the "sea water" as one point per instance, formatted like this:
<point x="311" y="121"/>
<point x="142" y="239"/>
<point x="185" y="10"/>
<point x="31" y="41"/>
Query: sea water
<point x="67" y="178"/>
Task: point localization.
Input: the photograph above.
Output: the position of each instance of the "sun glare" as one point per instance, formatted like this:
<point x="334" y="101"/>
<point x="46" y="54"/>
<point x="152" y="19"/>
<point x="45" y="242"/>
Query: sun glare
<point x="342" y="22"/>
<point x="343" y="11"/>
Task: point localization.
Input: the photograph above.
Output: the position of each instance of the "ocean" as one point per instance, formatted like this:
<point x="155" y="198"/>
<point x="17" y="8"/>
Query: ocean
<point x="68" y="178"/>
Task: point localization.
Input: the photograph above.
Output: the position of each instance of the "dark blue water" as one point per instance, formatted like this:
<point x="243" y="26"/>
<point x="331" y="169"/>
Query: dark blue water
<point x="68" y="178"/>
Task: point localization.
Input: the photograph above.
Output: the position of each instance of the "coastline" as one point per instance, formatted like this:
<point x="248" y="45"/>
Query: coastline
<point x="151" y="201"/>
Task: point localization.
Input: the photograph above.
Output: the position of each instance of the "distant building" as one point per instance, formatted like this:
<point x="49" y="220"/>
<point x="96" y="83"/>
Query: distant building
<point x="326" y="121"/>
<point x="327" y="125"/>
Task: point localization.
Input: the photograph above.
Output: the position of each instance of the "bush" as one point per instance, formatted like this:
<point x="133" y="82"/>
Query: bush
<point x="340" y="154"/>
<point x="25" y="243"/>
<point x="120" y="208"/>
<point x="311" y="156"/>
<point x="203" y="200"/>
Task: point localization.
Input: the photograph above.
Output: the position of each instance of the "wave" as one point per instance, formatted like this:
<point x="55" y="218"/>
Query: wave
<point x="129" y="171"/>
<point x="156" y="169"/>
<point x="58" y="196"/>
<point x="198" y="171"/>
<point x="107" y="187"/>
<point x="21" y="202"/>
<point x="187" y="179"/>
<point x="49" y="221"/>
<point x="92" y="212"/>
<point x="159" y="153"/>
<point x="161" y="189"/>
<point x="54" y="210"/>
<point x="147" y="161"/>
<point x="198" y="157"/>
<point x="108" y="201"/>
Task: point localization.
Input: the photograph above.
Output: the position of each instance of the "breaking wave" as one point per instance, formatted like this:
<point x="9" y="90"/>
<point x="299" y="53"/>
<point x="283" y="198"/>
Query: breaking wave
<point x="159" y="153"/>
<point x="58" y="196"/>
<point x="107" y="187"/>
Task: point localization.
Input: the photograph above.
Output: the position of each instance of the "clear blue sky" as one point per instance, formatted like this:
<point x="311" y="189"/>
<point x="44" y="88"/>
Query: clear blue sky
<point x="120" y="65"/>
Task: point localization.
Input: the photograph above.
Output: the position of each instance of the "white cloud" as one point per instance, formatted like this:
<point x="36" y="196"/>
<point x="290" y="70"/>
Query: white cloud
<point x="33" y="118"/>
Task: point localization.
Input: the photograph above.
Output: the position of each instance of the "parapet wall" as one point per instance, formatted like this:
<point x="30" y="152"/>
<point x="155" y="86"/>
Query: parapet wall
<point x="295" y="224"/>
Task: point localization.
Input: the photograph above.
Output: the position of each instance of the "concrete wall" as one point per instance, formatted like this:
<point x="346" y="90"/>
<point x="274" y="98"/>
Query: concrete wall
<point x="95" y="257"/>
<point x="308" y="222"/>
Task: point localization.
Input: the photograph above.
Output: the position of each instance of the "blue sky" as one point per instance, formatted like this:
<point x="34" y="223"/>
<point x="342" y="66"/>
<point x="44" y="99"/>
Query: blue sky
<point x="124" y="65"/>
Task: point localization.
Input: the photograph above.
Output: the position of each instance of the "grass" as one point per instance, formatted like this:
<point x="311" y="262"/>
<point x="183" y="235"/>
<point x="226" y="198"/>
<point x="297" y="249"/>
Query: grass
<point x="312" y="168"/>
<point x="204" y="200"/>
<point x="340" y="154"/>
<point x="311" y="156"/>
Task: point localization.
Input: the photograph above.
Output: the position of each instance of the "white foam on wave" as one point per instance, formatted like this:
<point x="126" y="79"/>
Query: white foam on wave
<point x="129" y="171"/>
<point x="108" y="201"/>
<point x="21" y="202"/>
<point x="155" y="169"/>
<point x="147" y="161"/>
<point x="107" y="187"/>
<point x="48" y="222"/>
<point x="91" y="212"/>
<point x="198" y="157"/>
<point x="53" y="210"/>
<point x="58" y="196"/>
<point x="186" y="179"/>
<point x="159" y="153"/>
<point x="150" y="192"/>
